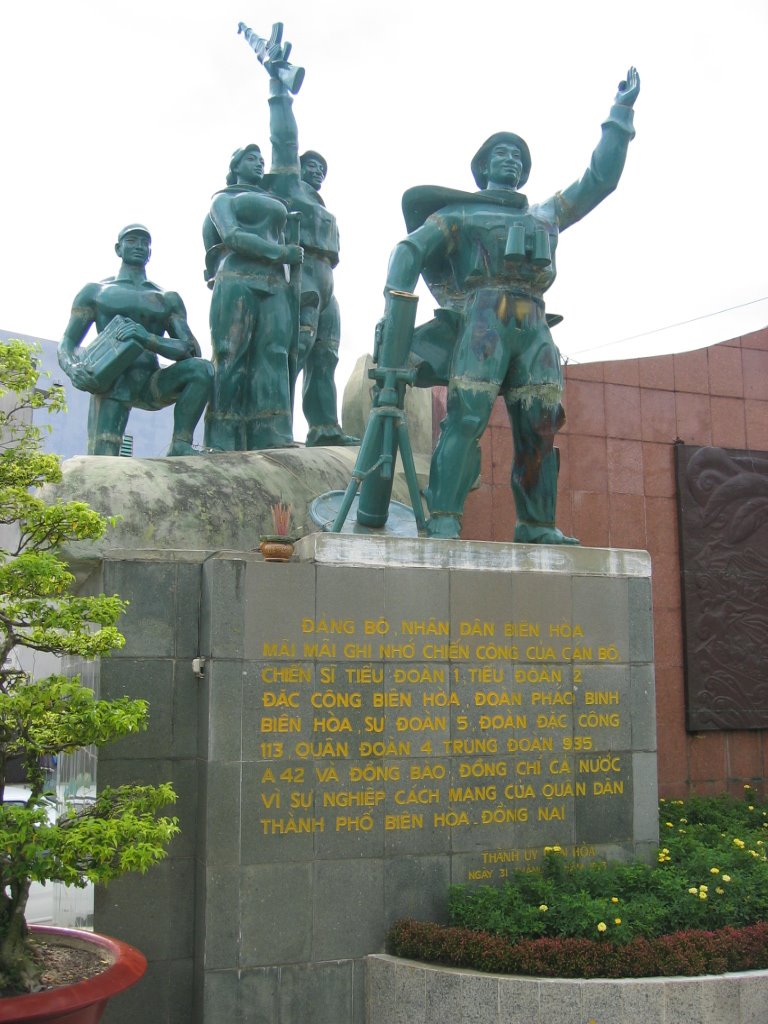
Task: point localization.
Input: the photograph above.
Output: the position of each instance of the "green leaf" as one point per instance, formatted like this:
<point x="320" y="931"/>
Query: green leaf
<point x="124" y="829"/>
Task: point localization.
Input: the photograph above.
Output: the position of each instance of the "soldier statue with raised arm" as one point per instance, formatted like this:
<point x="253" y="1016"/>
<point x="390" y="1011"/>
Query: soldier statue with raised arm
<point x="488" y="257"/>
<point x="298" y="180"/>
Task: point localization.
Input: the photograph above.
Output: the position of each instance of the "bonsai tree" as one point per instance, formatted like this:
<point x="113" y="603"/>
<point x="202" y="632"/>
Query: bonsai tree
<point x="121" y="831"/>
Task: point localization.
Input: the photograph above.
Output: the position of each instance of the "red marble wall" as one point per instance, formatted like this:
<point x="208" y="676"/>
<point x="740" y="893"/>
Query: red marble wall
<point x="617" y="489"/>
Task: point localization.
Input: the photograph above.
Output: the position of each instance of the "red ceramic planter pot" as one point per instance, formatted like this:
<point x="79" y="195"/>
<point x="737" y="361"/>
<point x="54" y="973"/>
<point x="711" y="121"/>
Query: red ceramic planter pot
<point x="84" y="1002"/>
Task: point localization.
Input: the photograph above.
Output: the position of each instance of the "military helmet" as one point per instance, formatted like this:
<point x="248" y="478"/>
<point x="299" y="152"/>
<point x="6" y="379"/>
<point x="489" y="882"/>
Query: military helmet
<point x="479" y="171"/>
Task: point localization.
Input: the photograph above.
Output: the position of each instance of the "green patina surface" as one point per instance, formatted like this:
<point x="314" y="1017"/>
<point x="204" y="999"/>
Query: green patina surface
<point x="136" y="321"/>
<point x="488" y="257"/>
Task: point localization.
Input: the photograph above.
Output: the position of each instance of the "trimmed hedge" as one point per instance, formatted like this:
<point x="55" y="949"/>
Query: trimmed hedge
<point x="685" y="953"/>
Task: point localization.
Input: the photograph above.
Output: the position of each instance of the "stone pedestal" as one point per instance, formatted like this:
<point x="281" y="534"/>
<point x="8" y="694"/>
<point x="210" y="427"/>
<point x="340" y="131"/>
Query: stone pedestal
<point x="374" y="721"/>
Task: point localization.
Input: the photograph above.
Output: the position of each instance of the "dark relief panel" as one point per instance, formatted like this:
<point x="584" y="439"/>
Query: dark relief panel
<point x="723" y="515"/>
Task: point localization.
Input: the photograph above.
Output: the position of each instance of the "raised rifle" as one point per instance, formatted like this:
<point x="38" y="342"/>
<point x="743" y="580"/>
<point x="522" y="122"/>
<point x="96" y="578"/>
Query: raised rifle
<point x="273" y="54"/>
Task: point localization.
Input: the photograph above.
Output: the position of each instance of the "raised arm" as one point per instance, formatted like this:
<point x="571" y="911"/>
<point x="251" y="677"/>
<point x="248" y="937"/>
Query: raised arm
<point x="284" y="79"/>
<point x="284" y="136"/>
<point x="603" y="174"/>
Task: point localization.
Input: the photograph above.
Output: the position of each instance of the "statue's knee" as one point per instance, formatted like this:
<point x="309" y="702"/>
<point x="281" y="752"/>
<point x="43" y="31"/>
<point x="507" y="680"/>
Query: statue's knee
<point x="325" y="356"/>
<point x="199" y="370"/>
<point x="468" y="412"/>
<point x="549" y="422"/>
<point x="558" y="418"/>
<point x="470" y="427"/>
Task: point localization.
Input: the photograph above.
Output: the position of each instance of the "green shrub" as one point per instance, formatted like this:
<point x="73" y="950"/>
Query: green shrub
<point x="123" y="829"/>
<point x="687" y="953"/>
<point x="711" y="877"/>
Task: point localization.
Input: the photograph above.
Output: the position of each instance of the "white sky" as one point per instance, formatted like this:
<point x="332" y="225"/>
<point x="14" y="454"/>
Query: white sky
<point x="119" y="111"/>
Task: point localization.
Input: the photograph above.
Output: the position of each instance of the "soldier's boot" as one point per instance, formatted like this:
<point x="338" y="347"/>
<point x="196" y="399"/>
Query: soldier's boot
<point x="319" y="397"/>
<point x="534" y="472"/>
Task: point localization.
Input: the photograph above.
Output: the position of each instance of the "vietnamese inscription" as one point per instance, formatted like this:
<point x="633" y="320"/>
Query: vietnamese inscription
<point x="432" y="725"/>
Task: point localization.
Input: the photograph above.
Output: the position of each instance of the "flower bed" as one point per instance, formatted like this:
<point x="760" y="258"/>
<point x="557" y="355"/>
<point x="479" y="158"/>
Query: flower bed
<point x="683" y="953"/>
<point x="687" y="914"/>
<point x="683" y="940"/>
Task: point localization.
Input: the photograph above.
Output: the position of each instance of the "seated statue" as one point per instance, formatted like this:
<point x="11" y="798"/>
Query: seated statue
<point x="136" y="321"/>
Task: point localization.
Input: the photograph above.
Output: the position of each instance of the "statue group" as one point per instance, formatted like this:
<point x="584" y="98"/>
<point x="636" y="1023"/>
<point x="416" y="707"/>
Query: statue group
<point x="271" y="248"/>
<point x="273" y="311"/>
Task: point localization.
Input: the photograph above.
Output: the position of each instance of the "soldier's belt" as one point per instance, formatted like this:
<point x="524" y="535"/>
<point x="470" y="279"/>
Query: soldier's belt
<point x="522" y="295"/>
<point x="320" y="254"/>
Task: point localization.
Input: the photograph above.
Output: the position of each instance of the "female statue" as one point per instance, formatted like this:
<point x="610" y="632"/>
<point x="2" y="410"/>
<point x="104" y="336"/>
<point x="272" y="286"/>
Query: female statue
<point x="254" y="311"/>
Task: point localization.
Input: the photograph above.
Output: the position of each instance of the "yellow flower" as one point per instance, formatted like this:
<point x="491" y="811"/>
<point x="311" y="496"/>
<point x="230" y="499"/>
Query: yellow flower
<point x="720" y="890"/>
<point x="739" y="843"/>
<point x="602" y="926"/>
<point x="750" y="808"/>
<point x="693" y="890"/>
<point x="703" y="888"/>
<point x="614" y="899"/>
<point x="617" y="920"/>
<point x="543" y="908"/>
<point x="726" y="878"/>
<point x="669" y="824"/>
<point x="714" y="871"/>
<point x="702" y="895"/>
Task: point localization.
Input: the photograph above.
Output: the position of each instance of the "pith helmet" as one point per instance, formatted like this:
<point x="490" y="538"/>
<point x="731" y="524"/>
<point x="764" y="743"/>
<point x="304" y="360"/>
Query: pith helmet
<point x="479" y="172"/>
